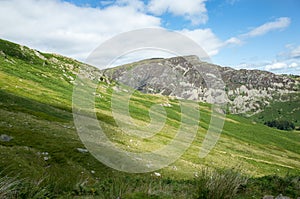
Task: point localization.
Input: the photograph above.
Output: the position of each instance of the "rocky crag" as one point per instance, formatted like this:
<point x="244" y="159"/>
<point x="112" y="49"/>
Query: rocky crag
<point x="245" y="91"/>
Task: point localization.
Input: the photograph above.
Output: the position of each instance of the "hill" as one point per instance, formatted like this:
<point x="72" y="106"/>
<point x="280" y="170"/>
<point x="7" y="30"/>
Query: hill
<point x="39" y="141"/>
<point x="246" y="92"/>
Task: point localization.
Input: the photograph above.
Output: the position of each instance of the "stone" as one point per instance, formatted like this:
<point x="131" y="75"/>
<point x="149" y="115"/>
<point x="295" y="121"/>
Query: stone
<point x="81" y="150"/>
<point x="268" y="197"/>
<point x="5" y="138"/>
<point x="280" y="196"/>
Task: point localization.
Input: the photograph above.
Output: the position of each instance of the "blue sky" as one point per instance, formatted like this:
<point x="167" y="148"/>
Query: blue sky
<point x="252" y="34"/>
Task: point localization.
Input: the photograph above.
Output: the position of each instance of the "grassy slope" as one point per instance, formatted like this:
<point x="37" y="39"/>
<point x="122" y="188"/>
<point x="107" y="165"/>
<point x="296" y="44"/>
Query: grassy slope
<point x="288" y="110"/>
<point x="35" y="109"/>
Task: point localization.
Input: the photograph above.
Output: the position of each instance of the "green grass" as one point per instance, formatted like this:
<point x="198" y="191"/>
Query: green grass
<point x="288" y="110"/>
<point x="36" y="111"/>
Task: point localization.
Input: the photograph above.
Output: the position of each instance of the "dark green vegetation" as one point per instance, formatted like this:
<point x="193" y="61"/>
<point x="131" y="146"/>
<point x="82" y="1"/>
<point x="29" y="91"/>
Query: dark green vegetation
<point x="281" y="124"/>
<point x="288" y="110"/>
<point x="42" y="158"/>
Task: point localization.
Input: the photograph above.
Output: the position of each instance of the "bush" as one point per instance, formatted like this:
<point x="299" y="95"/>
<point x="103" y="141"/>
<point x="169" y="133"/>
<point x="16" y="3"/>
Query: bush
<point x="281" y="124"/>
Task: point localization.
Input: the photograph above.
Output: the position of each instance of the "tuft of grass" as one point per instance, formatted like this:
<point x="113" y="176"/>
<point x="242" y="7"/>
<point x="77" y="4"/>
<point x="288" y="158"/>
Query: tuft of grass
<point x="8" y="186"/>
<point x="14" y="188"/>
<point x="33" y="189"/>
<point x="222" y="184"/>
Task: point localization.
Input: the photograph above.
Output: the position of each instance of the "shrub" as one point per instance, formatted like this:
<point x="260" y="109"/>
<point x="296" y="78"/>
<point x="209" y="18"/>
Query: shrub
<point x="281" y="124"/>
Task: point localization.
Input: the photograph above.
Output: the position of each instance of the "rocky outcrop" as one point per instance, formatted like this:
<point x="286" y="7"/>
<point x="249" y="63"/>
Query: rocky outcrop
<point x="245" y="91"/>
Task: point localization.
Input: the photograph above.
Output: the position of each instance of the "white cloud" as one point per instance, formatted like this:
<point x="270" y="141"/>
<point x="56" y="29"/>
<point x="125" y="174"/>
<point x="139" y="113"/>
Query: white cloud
<point x="293" y="65"/>
<point x="64" y="28"/>
<point x="278" y="24"/>
<point x="136" y="4"/>
<point x="193" y="10"/>
<point x="251" y="65"/>
<point x="295" y="52"/>
<point x="60" y="27"/>
<point x="210" y="43"/>
<point x="234" y="41"/>
<point x="275" y="66"/>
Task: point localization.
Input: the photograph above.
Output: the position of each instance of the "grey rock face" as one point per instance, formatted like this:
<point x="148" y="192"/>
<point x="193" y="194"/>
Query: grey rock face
<point x="189" y="78"/>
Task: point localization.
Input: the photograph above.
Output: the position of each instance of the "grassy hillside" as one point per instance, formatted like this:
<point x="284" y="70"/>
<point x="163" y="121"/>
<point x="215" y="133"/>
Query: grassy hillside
<point x="282" y="110"/>
<point x="36" y="112"/>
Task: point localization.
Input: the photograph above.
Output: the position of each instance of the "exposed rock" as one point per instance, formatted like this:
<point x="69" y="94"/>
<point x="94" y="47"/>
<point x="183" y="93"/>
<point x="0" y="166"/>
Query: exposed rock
<point x="5" y="138"/>
<point x="246" y="91"/>
<point x="46" y="158"/>
<point x="81" y="150"/>
<point x="2" y="53"/>
<point x="166" y="105"/>
<point x="268" y="197"/>
<point x="280" y="196"/>
<point x="39" y="55"/>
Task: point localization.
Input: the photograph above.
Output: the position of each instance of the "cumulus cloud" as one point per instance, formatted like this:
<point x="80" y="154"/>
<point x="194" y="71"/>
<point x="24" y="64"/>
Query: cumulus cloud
<point x="209" y="41"/>
<point x="275" y="66"/>
<point x="287" y="62"/>
<point x="67" y="29"/>
<point x="56" y="26"/>
<point x="283" y="67"/>
<point x="206" y="39"/>
<point x="278" y="24"/>
<point x="293" y="65"/>
<point x="193" y="10"/>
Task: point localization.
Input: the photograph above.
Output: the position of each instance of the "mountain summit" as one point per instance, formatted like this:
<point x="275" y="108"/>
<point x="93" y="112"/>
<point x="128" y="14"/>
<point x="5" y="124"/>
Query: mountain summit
<point x="245" y="91"/>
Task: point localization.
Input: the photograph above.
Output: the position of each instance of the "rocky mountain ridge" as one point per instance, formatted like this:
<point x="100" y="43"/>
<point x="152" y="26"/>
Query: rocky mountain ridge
<point x="245" y="91"/>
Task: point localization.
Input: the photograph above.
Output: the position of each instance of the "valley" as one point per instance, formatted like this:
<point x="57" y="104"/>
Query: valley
<point x="44" y="148"/>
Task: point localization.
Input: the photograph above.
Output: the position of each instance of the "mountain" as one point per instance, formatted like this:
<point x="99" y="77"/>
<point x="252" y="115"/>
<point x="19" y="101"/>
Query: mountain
<point x="42" y="151"/>
<point x="245" y="91"/>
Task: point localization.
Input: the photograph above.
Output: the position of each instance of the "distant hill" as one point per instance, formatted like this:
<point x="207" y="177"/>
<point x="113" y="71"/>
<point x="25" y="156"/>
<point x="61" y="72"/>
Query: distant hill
<point x="245" y="91"/>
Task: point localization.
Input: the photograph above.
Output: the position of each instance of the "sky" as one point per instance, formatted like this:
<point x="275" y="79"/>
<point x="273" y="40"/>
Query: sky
<point x="249" y="34"/>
